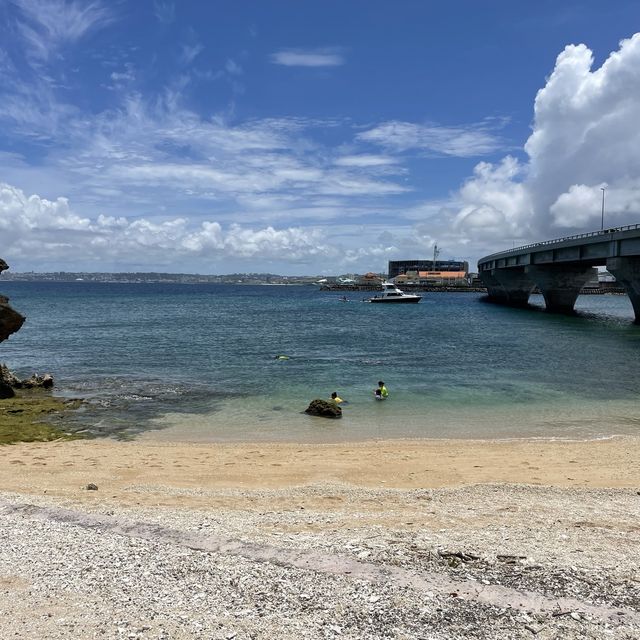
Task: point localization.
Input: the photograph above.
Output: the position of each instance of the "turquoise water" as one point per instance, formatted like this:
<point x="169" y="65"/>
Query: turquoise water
<point x="196" y="362"/>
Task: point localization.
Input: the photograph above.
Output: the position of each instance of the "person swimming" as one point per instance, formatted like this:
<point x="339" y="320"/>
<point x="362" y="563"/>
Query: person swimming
<point x="281" y="356"/>
<point x="336" y="398"/>
<point x="381" y="392"/>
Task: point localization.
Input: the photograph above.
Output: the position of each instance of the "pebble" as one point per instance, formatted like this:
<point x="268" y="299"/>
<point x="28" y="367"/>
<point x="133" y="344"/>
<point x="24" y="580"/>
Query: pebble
<point x="98" y="584"/>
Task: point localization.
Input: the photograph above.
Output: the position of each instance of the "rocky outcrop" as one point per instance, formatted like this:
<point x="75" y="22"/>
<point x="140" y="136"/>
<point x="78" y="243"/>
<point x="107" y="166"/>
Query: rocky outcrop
<point x="10" y="320"/>
<point x="36" y="381"/>
<point x="6" y="391"/>
<point x="324" y="409"/>
<point x="9" y="381"/>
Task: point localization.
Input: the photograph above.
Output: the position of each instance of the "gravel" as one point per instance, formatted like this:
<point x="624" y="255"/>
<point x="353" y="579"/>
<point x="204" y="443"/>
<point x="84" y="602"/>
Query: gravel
<point x="373" y="563"/>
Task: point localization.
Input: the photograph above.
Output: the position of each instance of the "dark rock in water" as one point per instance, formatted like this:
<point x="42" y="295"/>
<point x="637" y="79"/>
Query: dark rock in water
<point x="324" y="409"/>
<point x="10" y="320"/>
<point x="6" y="391"/>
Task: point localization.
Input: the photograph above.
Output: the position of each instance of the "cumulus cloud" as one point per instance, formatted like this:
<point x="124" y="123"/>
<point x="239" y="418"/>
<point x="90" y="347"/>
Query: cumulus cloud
<point x="493" y="198"/>
<point x="51" y="229"/>
<point x="309" y="58"/>
<point x="585" y="136"/>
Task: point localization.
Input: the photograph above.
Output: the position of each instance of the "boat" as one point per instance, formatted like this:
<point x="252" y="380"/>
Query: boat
<point x="391" y="293"/>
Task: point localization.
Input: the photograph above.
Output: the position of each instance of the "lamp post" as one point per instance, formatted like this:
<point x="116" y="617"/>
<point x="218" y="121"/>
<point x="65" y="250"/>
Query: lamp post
<point x="602" y="222"/>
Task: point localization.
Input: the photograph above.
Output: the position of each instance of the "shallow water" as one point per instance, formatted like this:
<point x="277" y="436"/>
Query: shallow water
<point x="197" y="362"/>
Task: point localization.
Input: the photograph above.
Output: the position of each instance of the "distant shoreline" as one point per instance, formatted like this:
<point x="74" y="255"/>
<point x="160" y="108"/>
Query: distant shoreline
<point x="281" y="281"/>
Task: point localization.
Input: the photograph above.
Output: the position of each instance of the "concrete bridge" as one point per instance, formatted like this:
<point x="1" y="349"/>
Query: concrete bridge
<point x="560" y="268"/>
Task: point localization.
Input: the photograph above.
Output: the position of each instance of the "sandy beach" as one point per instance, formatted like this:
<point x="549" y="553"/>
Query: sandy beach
<point x="62" y="468"/>
<point x="394" y="539"/>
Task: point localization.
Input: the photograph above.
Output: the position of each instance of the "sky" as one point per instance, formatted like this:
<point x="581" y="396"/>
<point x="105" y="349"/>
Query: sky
<point x="310" y="137"/>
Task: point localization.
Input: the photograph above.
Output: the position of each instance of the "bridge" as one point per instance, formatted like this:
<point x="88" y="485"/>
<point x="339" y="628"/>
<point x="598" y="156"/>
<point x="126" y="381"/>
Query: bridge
<point x="560" y="268"/>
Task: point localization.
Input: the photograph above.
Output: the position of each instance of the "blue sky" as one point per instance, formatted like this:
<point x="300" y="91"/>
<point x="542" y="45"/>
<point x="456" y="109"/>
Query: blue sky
<point x="310" y="137"/>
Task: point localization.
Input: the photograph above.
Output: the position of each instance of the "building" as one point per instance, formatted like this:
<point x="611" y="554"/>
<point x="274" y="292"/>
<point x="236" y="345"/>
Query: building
<point x="424" y="271"/>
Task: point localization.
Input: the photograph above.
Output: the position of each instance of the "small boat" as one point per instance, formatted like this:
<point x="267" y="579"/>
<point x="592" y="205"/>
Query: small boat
<point x="391" y="293"/>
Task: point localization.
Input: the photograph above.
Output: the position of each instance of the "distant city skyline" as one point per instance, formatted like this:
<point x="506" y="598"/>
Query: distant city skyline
<point x="310" y="138"/>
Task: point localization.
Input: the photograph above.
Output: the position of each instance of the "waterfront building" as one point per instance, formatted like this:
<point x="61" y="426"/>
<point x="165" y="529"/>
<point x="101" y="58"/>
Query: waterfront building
<point x="428" y="271"/>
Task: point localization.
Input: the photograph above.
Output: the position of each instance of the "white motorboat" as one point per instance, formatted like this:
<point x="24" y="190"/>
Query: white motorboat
<point x="391" y="293"/>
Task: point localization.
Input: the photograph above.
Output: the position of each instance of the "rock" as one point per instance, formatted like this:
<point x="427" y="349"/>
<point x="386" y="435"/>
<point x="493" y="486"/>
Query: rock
<point x="323" y="409"/>
<point x="6" y="391"/>
<point x="36" y="381"/>
<point x="7" y="377"/>
<point x="10" y="320"/>
<point x="91" y="487"/>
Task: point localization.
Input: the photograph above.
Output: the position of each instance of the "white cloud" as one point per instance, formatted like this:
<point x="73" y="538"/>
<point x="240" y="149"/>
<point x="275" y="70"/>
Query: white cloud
<point x="32" y="225"/>
<point x="190" y="52"/>
<point x="493" y="201"/>
<point x="164" y="11"/>
<point x="43" y="234"/>
<point x="585" y="135"/>
<point x="124" y="77"/>
<point x="365" y="160"/>
<point x="48" y="24"/>
<point x="311" y="58"/>
<point x="474" y="140"/>
<point x="19" y="214"/>
<point x="233" y="68"/>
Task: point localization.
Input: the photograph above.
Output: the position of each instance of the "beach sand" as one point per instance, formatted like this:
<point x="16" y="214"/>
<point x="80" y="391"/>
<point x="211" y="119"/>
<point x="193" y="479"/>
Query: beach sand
<point x="63" y="468"/>
<point x="391" y="539"/>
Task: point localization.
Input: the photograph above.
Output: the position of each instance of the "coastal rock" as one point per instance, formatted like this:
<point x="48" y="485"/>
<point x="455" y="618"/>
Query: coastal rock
<point x="323" y="409"/>
<point x="36" y="381"/>
<point x="10" y="320"/>
<point x="6" y="391"/>
<point x="8" y="377"/>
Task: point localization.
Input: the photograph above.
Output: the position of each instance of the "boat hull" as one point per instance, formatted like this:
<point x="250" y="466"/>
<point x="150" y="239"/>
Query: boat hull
<point x="399" y="300"/>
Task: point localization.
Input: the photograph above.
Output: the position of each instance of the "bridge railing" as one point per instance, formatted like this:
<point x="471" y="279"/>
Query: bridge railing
<point x="580" y="236"/>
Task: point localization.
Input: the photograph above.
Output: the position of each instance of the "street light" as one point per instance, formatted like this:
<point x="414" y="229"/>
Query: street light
<point x="602" y="223"/>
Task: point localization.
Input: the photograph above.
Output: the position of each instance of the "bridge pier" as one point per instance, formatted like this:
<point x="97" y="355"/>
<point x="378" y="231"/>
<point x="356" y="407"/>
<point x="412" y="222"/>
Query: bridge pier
<point x="508" y="286"/>
<point x="560" y="284"/>
<point x="627" y="273"/>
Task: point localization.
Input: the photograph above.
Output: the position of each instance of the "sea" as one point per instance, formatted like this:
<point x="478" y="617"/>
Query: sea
<point x="197" y="362"/>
